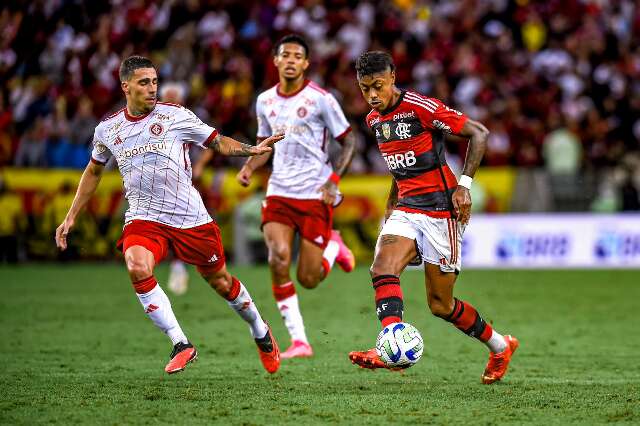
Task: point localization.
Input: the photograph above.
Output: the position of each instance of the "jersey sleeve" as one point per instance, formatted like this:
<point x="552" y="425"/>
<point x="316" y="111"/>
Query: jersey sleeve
<point x="334" y="118"/>
<point x="436" y="115"/>
<point x="192" y="130"/>
<point x="264" y="129"/>
<point x="100" y="154"/>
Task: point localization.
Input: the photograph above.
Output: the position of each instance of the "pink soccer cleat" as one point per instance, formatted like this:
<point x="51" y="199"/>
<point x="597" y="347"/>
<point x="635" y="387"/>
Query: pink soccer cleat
<point x="498" y="363"/>
<point x="298" y="349"/>
<point x="345" y="258"/>
<point x="182" y="354"/>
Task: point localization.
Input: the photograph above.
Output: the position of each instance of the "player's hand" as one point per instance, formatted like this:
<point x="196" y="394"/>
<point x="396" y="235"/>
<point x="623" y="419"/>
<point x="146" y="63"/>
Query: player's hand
<point x="244" y="176"/>
<point x="329" y="192"/>
<point x="61" y="233"/>
<point x="267" y="144"/>
<point x="462" y="204"/>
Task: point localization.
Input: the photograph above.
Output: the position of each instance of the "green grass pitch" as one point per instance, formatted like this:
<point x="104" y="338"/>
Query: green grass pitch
<point x="77" y="348"/>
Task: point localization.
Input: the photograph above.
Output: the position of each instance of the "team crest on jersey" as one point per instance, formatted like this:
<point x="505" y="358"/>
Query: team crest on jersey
<point x="386" y="130"/>
<point x="302" y="112"/>
<point x="100" y="147"/>
<point x="156" y="129"/>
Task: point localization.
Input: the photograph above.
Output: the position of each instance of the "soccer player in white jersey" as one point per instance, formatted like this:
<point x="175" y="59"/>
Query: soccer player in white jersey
<point x="151" y="141"/>
<point x="303" y="188"/>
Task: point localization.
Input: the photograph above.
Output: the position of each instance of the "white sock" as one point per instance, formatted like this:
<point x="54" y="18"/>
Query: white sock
<point x="496" y="342"/>
<point x="290" y="311"/>
<point x="157" y="306"/>
<point x="331" y="252"/>
<point x="245" y="307"/>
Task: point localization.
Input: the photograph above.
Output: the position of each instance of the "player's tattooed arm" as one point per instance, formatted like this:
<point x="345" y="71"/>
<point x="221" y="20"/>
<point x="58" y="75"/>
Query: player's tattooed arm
<point x="346" y="155"/>
<point x="228" y="146"/>
<point x="477" y="134"/>
<point x="329" y="189"/>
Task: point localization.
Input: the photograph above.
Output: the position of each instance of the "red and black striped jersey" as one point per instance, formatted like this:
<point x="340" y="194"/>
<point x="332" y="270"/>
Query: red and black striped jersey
<point x="410" y="136"/>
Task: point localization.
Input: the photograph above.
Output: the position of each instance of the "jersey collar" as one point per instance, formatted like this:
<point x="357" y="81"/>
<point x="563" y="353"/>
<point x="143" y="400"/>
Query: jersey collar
<point x="134" y="118"/>
<point x="394" y="106"/>
<point x="282" y="95"/>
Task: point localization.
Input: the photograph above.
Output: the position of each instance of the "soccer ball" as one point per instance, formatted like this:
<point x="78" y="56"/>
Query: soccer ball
<point x="399" y="345"/>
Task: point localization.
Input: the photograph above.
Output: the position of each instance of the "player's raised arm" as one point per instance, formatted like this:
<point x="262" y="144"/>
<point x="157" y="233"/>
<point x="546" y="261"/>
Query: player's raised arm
<point x="228" y="146"/>
<point x="251" y="165"/>
<point x="477" y="134"/>
<point x="86" y="188"/>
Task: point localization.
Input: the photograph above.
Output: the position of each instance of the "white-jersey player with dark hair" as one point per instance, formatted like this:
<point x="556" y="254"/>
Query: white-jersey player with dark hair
<point x="303" y="186"/>
<point x="150" y="141"/>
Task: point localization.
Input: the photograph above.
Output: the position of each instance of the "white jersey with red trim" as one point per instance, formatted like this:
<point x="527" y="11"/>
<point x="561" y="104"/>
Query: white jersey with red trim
<point x="152" y="152"/>
<point x="301" y="161"/>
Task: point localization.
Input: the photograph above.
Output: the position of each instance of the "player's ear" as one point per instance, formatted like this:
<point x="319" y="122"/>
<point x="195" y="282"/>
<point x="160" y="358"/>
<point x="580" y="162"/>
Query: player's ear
<point x="305" y="65"/>
<point x="393" y="77"/>
<point x="125" y="87"/>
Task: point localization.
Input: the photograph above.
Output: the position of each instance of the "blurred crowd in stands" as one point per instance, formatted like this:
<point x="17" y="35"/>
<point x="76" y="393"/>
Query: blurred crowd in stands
<point x="557" y="81"/>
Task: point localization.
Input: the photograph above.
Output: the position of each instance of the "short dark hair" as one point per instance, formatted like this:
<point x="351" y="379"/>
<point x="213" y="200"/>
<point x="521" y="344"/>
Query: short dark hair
<point x="292" y="38"/>
<point x="374" y="62"/>
<point x="132" y="63"/>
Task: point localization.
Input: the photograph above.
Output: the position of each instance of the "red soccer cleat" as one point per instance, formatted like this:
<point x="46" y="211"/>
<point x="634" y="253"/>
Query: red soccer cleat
<point x="298" y="349"/>
<point x="498" y="363"/>
<point x="345" y="258"/>
<point x="182" y="354"/>
<point x="368" y="359"/>
<point x="269" y="352"/>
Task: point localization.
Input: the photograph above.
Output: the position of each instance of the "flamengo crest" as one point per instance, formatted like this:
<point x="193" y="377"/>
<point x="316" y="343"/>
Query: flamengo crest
<point x="386" y="130"/>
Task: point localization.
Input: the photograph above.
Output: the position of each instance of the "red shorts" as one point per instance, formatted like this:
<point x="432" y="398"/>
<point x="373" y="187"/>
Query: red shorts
<point x="200" y="246"/>
<point x="313" y="219"/>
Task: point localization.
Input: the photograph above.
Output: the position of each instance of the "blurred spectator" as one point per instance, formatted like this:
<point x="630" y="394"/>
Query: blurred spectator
<point x="562" y="151"/>
<point x="522" y="67"/>
<point x="11" y="224"/>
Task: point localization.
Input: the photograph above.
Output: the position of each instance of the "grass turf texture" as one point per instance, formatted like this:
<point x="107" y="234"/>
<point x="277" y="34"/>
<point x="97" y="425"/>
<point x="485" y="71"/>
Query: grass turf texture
<point x="77" y="348"/>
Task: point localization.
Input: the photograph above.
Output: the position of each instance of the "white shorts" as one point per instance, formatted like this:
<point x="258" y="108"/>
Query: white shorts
<point x="438" y="240"/>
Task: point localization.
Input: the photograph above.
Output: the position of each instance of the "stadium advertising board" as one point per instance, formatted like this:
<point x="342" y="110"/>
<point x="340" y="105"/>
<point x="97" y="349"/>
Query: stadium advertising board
<point x="552" y="241"/>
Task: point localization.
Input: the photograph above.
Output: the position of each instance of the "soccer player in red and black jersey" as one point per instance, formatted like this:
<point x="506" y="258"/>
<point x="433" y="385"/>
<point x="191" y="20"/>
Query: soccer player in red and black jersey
<point x="427" y="209"/>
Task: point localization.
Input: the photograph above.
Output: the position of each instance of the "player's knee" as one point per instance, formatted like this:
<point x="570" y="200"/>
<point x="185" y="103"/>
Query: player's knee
<point x="279" y="259"/>
<point x="138" y="269"/>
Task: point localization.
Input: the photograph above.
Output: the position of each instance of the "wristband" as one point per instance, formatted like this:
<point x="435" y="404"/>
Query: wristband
<point x="334" y="178"/>
<point x="465" y="181"/>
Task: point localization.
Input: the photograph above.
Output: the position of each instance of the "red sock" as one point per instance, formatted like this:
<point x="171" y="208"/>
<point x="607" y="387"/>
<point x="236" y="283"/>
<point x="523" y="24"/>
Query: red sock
<point x="325" y="267"/>
<point x="467" y="320"/>
<point x="283" y="291"/>
<point x="145" y="285"/>
<point x="389" y="304"/>
<point x="235" y="289"/>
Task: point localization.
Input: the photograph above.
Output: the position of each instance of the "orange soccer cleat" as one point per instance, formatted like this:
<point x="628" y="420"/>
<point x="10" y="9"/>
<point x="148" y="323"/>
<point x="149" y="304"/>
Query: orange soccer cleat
<point x="368" y="359"/>
<point x="269" y="352"/>
<point x="182" y="354"/>
<point x="345" y="259"/>
<point x="298" y="349"/>
<point x="498" y="363"/>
